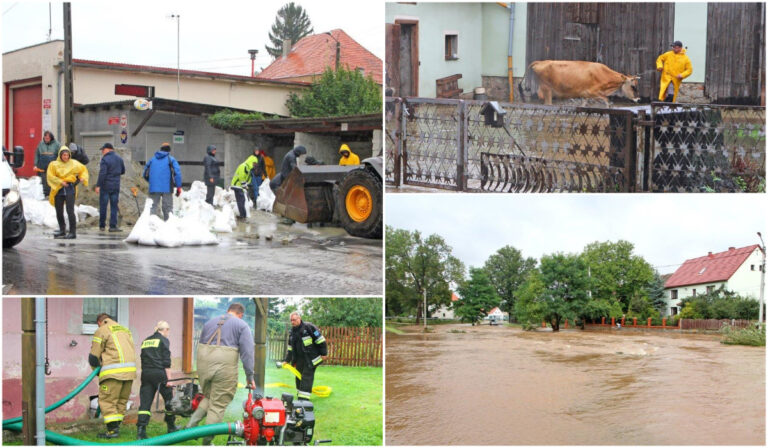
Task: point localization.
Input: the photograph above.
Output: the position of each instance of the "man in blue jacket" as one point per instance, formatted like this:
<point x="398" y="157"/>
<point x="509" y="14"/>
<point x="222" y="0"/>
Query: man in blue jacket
<point x="163" y="173"/>
<point x="108" y="186"/>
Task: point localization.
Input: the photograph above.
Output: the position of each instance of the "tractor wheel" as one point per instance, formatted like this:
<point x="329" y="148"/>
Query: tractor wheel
<point x="360" y="204"/>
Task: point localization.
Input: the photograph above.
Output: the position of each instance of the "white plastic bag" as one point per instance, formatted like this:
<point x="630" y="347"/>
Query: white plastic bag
<point x="266" y="198"/>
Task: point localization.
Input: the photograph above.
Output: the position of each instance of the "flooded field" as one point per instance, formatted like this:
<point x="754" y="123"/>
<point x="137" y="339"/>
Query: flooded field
<point x="465" y="385"/>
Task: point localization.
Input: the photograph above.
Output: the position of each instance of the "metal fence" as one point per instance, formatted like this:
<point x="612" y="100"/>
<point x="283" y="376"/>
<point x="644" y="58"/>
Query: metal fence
<point x="469" y="145"/>
<point x="346" y="346"/>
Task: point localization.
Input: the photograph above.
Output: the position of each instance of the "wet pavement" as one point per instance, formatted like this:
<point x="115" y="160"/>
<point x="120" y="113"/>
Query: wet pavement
<point x="262" y="257"/>
<point x="488" y="385"/>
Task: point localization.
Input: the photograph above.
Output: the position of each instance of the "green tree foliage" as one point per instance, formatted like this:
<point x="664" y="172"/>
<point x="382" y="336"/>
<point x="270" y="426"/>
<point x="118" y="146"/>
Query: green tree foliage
<point x="415" y="264"/>
<point x="507" y="270"/>
<point x="293" y="23"/>
<point x="337" y="93"/>
<point x="478" y="297"/>
<point x="720" y="304"/>
<point x="344" y="311"/>
<point x="558" y="291"/>
<point x="656" y="293"/>
<point x="617" y="273"/>
<point x="228" y="119"/>
<point x="279" y="316"/>
<point x="529" y="309"/>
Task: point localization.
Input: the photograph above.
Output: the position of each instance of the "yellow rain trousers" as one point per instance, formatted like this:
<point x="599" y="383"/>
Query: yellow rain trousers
<point x="673" y="65"/>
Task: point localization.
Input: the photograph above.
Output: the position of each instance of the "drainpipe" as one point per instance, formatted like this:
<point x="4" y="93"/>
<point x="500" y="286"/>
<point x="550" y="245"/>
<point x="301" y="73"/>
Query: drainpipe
<point x="510" y="79"/>
<point x="59" y="75"/>
<point x="40" y="369"/>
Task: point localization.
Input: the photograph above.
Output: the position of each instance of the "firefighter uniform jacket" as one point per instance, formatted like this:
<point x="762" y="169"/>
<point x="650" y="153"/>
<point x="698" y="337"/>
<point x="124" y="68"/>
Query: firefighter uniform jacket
<point x="305" y="341"/>
<point x="112" y="349"/>
<point x="156" y="352"/>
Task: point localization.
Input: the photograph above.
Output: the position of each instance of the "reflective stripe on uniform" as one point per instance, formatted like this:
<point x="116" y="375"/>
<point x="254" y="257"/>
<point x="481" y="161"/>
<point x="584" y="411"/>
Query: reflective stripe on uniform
<point x="145" y="413"/>
<point x="97" y="340"/>
<point x="307" y="340"/>
<point x="113" y="418"/>
<point x="117" y="368"/>
<point x="290" y="348"/>
<point x="119" y="349"/>
<point x="317" y="360"/>
<point x="150" y="343"/>
<point x="302" y="394"/>
<point x="320" y="340"/>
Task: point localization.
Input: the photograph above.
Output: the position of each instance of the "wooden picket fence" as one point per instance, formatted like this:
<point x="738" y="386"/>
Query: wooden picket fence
<point x="347" y="346"/>
<point x="713" y="324"/>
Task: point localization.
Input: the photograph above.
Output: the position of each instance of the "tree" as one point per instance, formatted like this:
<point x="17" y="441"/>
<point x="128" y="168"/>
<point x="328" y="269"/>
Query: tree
<point x="415" y="264"/>
<point x="616" y="272"/>
<point x="507" y="270"/>
<point x="344" y="311"/>
<point x="337" y="93"/>
<point x="278" y="316"/>
<point x="557" y="291"/>
<point x="656" y="293"/>
<point x="478" y="296"/>
<point x="293" y="23"/>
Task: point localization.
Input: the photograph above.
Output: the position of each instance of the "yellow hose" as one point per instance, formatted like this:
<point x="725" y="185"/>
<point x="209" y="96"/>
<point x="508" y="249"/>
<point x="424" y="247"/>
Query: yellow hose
<point x="320" y="391"/>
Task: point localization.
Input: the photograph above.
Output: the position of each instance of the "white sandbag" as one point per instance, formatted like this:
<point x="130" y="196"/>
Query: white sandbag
<point x="266" y="198"/>
<point x="31" y="189"/>
<point x="224" y="221"/>
<point x="167" y="232"/>
<point x="84" y="211"/>
<point x="141" y="230"/>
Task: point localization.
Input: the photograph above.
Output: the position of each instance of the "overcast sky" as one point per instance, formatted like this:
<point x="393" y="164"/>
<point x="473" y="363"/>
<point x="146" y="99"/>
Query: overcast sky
<point x="215" y="35"/>
<point x="666" y="229"/>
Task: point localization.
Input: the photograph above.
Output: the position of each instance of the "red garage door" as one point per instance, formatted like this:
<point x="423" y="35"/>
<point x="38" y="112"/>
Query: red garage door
<point x="27" y="123"/>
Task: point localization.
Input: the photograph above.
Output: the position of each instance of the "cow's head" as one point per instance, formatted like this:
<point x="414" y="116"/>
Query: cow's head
<point x="630" y="88"/>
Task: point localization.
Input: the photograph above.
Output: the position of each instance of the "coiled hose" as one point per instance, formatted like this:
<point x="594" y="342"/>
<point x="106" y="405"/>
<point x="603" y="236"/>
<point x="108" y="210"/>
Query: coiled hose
<point x="320" y="391"/>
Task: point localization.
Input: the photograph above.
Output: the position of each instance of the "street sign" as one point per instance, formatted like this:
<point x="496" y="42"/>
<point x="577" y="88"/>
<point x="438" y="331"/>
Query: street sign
<point x="178" y="138"/>
<point x="113" y="120"/>
<point x="46" y="104"/>
<point x="124" y="121"/>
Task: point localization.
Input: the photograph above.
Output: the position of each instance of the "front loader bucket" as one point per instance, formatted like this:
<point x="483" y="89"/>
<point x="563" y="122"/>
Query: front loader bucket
<point x="306" y="195"/>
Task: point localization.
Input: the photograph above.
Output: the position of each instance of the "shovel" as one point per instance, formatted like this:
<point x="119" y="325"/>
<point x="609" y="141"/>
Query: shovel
<point x="135" y="192"/>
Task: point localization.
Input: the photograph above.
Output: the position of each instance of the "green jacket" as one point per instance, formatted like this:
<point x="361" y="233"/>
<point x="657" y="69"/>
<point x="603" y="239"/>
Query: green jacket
<point x="242" y="175"/>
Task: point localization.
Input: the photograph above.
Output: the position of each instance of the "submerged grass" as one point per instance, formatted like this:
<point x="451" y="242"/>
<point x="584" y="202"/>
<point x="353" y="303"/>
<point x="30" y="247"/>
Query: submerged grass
<point x="753" y="336"/>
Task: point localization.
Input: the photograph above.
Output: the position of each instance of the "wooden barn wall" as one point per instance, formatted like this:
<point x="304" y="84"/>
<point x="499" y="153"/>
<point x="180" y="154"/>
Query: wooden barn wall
<point x="735" y="69"/>
<point x="627" y="37"/>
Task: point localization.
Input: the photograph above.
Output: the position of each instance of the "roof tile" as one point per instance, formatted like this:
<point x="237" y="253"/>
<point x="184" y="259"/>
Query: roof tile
<point x="717" y="267"/>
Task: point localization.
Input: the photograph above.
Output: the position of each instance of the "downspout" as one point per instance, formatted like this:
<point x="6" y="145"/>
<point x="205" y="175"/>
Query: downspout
<point x="40" y="370"/>
<point x="510" y="78"/>
<point x="59" y="74"/>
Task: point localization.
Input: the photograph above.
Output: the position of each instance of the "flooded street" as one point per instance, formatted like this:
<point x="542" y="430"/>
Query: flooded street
<point x="465" y="385"/>
<point x="261" y="257"/>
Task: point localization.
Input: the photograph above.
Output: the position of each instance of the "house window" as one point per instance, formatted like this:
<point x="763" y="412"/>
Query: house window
<point x="673" y="294"/>
<point x="673" y="310"/>
<point x="451" y="46"/>
<point x="710" y="288"/>
<point x="93" y="306"/>
<point x="360" y="70"/>
<point x="752" y="267"/>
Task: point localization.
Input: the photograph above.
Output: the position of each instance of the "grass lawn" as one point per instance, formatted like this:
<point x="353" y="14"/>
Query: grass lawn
<point x="351" y="415"/>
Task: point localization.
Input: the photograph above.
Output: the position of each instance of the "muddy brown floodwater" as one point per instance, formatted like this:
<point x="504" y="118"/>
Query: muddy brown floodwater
<point x="465" y="385"/>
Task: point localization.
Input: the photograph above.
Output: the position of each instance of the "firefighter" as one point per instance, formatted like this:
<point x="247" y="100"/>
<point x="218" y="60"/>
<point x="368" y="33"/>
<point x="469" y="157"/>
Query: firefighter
<point x="223" y="338"/>
<point x="112" y="349"/>
<point x="155" y="363"/>
<point x="306" y="350"/>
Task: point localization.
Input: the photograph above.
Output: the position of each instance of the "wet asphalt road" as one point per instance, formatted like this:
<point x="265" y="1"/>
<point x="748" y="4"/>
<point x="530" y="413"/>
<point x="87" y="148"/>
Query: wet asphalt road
<point x="296" y="261"/>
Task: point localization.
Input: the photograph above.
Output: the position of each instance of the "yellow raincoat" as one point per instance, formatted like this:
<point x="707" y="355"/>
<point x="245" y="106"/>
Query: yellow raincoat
<point x="68" y="171"/>
<point x="673" y="65"/>
<point x="269" y="166"/>
<point x="353" y="159"/>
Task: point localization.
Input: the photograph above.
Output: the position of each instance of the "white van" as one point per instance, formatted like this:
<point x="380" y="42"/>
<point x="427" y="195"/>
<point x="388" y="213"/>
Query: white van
<point x="14" y="224"/>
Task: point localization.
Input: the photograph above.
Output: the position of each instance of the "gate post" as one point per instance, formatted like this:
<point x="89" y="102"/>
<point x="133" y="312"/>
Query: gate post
<point x="403" y="146"/>
<point x="399" y="137"/>
<point x="461" y="156"/>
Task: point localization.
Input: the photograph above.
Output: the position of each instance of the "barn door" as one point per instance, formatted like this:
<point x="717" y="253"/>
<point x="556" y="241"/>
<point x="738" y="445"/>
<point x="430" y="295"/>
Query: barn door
<point x="393" y="59"/>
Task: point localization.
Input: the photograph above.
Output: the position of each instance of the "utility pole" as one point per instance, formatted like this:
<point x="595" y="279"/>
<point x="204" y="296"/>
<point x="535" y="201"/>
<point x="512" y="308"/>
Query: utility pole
<point x="762" y="282"/>
<point x="260" y="342"/>
<point x="69" y="103"/>
<point x="178" y="47"/>
<point x="425" y="309"/>
<point x="28" y="383"/>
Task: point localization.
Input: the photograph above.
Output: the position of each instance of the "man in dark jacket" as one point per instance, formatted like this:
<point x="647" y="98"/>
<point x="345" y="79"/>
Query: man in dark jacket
<point x="163" y="172"/>
<point x="47" y="151"/>
<point x="306" y="350"/>
<point x="108" y="186"/>
<point x="211" y="173"/>
<point x="78" y="153"/>
<point x="289" y="163"/>
<point x="155" y="362"/>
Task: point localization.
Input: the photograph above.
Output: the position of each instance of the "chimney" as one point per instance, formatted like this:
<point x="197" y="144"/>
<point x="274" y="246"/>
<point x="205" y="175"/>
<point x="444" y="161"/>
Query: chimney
<point x="286" y="47"/>
<point x="709" y="255"/>
<point x="731" y="248"/>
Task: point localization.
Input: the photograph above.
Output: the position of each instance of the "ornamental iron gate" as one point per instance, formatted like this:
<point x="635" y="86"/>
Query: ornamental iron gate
<point x="469" y="145"/>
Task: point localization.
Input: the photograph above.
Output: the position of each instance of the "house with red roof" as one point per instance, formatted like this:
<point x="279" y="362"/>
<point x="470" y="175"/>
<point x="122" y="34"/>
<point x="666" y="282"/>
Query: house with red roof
<point x="308" y="58"/>
<point x="446" y="311"/>
<point x="738" y="270"/>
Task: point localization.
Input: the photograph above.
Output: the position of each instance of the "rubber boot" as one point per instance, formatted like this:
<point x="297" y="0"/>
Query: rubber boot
<point x="141" y="432"/>
<point x="71" y="235"/>
<point x="59" y="233"/>
<point x="170" y="423"/>
<point x="113" y="431"/>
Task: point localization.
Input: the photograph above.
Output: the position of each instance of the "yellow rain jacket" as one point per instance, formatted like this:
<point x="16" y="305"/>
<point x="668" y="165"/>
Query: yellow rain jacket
<point x="113" y="346"/>
<point x="673" y="65"/>
<point x="353" y="159"/>
<point x="269" y="166"/>
<point x="68" y="171"/>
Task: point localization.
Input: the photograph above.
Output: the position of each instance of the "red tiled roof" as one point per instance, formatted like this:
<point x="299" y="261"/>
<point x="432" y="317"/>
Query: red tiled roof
<point x="494" y="310"/>
<point x="717" y="267"/>
<point x="172" y="71"/>
<point x="454" y="297"/>
<point x="312" y="54"/>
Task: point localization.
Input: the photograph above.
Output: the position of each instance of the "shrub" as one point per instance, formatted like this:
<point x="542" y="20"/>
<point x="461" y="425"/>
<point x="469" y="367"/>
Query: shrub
<point x="227" y="119"/>
<point x="753" y="336"/>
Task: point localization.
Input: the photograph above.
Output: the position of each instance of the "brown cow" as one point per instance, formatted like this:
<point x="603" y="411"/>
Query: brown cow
<point x="580" y="79"/>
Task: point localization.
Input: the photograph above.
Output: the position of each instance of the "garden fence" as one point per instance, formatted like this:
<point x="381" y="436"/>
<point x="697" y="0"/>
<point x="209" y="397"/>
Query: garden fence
<point x="347" y="346"/>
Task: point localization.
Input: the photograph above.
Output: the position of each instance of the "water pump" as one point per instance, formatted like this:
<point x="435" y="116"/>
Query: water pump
<point x="272" y="421"/>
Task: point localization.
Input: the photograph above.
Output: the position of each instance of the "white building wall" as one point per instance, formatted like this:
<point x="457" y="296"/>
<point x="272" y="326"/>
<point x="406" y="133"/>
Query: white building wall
<point x="746" y="280"/>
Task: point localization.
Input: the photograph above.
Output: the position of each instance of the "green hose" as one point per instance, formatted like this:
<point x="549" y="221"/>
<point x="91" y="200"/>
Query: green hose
<point x="166" y="439"/>
<point x="58" y="404"/>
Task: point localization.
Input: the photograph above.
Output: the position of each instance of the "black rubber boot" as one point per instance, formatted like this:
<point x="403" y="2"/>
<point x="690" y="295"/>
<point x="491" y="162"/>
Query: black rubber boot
<point x="70" y="236"/>
<point x="141" y="432"/>
<point x="113" y="431"/>
<point x="59" y="233"/>
<point x="170" y="422"/>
